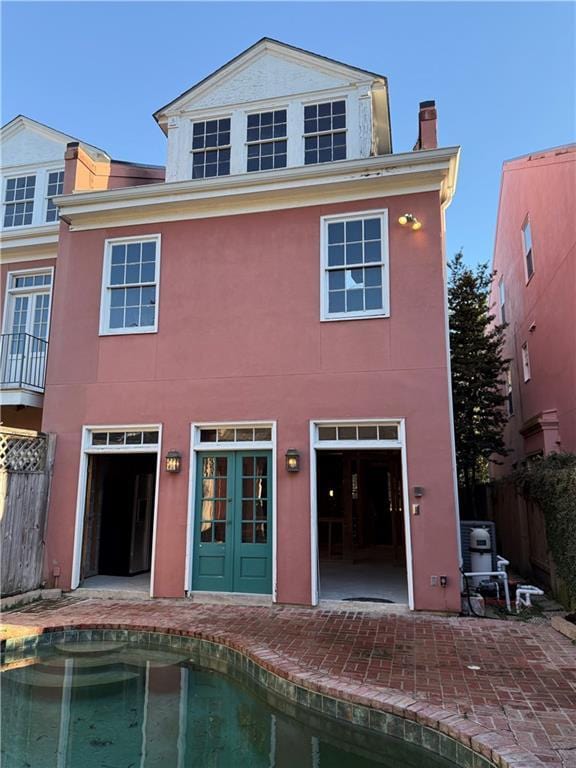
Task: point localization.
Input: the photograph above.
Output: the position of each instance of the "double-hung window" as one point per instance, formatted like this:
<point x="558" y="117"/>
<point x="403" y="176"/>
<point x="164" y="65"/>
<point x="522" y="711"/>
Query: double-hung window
<point x="211" y="148"/>
<point x="527" y="247"/>
<point x="324" y="132"/>
<point x="355" y="266"/>
<point x="526" y="362"/>
<point x="266" y="140"/>
<point x="502" y="299"/>
<point x="55" y="187"/>
<point x="130" y="286"/>
<point x="19" y="194"/>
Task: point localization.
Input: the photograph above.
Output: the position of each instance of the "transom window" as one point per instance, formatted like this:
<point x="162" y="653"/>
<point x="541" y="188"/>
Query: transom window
<point x="138" y="437"/>
<point x="266" y="140"/>
<point x="130" y="286"/>
<point x="358" y="432"/>
<point x="19" y="201"/>
<point x="324" y="132"/>
<point x="355" y="266"/>
<point x="527" y="243"/>
<point x="54" y="188"/>
<point x="31" y="281"/>
<point x="227" y="434"/>
<point x="211" y="148"/>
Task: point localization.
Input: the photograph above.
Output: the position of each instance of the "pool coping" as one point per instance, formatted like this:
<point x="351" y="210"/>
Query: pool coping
<point x="467" y="744"/>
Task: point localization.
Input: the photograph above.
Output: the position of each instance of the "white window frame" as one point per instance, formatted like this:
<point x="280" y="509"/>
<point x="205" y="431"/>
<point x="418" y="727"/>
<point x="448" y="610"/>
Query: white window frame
<point x="527" y="226"/>
<point x="526" y="363"/>
<point x="48" y="197"/>
<point x="87" y="449"/>
<point x="364" y="314"/>
<point x="12" y="291"/>
<point x="246" y="143"/>
<point x="206" y="119"/>
<point x="106" y="290"/>
<point x="197" y="447"/>
<point x="357" y="445"/>
<point x="502" y="299"/>
<point x="34" y="199"/>
<point x="346" y="131"/>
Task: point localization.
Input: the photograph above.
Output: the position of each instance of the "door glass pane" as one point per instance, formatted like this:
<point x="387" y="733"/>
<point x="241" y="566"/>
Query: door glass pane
<point x="247" y="488"/>
<point x="261" y="533"/>
<point x="254" y="499"/>
<point x="248" y="466"/>
<point x="247" y="533"/>
<point x="214" y="499"/>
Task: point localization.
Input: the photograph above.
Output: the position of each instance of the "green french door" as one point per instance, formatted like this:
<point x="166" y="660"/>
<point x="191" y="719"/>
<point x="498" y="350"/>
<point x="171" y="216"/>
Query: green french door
<point x="233" y="522"/>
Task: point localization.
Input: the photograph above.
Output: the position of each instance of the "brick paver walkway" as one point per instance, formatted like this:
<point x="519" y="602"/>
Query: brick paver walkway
<point x="508" y="689"/>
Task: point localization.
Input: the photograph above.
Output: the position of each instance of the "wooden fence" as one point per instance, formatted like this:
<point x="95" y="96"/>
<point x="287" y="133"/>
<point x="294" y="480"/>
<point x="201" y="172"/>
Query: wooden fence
<point x="26" y="461"/>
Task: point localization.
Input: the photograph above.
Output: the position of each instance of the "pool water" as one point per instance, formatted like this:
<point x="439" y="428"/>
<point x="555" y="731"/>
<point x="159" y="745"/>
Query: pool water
<point x="114" y="705"/>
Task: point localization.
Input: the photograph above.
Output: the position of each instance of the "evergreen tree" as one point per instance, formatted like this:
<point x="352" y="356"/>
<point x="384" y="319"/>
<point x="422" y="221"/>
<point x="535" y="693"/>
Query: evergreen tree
<point x="478" y="374"/>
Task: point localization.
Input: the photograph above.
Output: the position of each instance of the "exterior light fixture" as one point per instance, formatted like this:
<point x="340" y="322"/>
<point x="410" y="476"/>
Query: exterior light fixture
<point x="408" y="219"/>
<point x="292" y="460"/>
<point x="173" y="462"/>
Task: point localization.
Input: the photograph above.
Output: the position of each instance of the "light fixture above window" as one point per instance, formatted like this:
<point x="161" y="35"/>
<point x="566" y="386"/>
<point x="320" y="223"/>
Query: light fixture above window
<point x="408" y="219"/>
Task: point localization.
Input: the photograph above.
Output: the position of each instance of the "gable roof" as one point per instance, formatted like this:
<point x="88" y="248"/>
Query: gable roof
<point x="21" y="122"/>
<point x="264" y="44"/>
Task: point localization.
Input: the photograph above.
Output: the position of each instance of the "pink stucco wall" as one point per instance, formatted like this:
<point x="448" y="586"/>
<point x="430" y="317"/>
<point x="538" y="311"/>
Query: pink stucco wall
<point x="240" y="338"/>
<point x="542" y="186"/>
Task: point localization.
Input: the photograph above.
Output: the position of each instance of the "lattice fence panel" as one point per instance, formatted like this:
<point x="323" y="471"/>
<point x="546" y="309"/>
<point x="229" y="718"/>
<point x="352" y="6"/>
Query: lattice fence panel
<point x="22" y="453"/>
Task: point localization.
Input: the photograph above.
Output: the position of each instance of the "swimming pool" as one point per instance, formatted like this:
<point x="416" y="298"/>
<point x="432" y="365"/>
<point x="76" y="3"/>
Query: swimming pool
<point x="72" y="701"/>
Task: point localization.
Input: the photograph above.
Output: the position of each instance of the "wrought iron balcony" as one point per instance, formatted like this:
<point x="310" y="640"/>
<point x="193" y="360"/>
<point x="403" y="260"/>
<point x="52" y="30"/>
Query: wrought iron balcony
<point x="22" y="361"/>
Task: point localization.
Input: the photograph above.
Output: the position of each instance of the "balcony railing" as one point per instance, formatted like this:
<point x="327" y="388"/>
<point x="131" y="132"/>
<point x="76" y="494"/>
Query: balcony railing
<point x="22" y="361"/>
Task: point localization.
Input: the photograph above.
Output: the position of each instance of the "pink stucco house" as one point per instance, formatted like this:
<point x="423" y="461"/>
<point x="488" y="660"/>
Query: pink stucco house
<point x="248" y="370"/>
<point x="534" y="291"/>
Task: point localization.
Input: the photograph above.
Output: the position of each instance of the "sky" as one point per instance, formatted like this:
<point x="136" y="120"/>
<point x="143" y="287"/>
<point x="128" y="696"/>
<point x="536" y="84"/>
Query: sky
<point x="502" y="74"/>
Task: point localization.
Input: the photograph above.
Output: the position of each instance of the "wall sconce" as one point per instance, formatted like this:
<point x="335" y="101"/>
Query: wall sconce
<point x="409" y="219"/>
<point x="292" y="460"/>
<point x="173" y="462"/>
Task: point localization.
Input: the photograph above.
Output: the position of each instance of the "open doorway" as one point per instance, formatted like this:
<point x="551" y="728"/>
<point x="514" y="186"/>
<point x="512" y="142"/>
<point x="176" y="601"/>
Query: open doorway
<point x="361" y="545"/>
<point x="119" y="521"/>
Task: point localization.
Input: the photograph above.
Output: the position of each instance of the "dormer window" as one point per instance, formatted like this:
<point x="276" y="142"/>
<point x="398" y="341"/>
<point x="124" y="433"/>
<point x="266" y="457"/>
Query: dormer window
<point x="324" y="132"/>
<point x="211" y="148"/>
<point x="19" y="201"/>
<point x="55" y="188"/>
<point x="266" y="140"/>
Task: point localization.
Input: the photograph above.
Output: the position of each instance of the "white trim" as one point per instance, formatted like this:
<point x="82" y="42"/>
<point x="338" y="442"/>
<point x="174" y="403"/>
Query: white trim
<point x="10" y="291"/>
<point x="358" y="445"/>
<point x="384" y="264"/>
<point x="16" y="396"/>
<point x="197" y="447"/>
<point x="106" y="287"/>
<point x="85" y="451"/>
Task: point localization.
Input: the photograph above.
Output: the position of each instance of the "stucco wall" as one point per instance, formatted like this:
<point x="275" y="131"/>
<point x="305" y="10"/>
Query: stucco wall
<point x="240" y="339"/>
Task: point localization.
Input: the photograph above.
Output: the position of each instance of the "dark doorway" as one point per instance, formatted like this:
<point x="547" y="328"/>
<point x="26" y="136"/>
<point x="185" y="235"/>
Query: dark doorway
<point x="119" y="515"/>
<point x="361" y="525"/>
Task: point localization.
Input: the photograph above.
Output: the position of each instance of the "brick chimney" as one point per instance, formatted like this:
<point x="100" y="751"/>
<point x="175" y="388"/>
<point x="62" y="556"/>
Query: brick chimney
<point x="427" y="120"/>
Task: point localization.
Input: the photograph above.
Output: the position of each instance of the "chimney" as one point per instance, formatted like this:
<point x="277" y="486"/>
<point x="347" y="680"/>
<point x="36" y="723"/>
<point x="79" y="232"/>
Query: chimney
<point x="427" y="119"/>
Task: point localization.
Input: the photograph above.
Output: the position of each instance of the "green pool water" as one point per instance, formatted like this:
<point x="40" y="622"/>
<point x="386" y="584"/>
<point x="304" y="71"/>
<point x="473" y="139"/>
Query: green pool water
<point x="114" y="705"/>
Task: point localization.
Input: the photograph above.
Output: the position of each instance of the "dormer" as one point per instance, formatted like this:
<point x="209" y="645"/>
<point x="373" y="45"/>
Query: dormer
<point x="32" y="169"/>
<point x="272" y="107"/>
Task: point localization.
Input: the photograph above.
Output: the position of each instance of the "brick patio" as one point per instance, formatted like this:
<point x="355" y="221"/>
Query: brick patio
<point x="518" y="709"/>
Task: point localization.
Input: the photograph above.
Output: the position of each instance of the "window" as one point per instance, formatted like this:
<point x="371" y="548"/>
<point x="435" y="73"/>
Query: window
<point x="324" y="132"/>
<point x="354" y="266"/>
<point x="211" y="148"/>
<point x="230" y="434"/>
<point x="525" y="362"/>
<point x="266" y="140"/>
<point x="358" y="432"/>
<point x="137" y="437"/>
<point x="19" y="201"/>
<point x="502" y="297"/>
<point x="130" y="286"/>
<point x="509" y="400"/>
<point x="527" y="243"/>
<point x="55" y="187"/>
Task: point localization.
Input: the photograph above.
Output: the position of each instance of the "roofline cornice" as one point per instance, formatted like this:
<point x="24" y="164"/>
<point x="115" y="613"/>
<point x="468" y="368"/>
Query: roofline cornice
<point x="378" y="176"/>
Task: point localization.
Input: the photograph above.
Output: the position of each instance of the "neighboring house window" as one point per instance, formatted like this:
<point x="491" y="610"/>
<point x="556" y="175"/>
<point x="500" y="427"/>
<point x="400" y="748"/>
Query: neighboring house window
<point x="502" y="295"/>
<point x="355" y="266"/>
<point x="266" y="140"/>
<point x="19" y="201"/>
<point x="324" y="132"/>
<point x="55" y="187"/>
<point x="527" y="243"/>
<point x="509" y="400"/>
<point x="525" y="362"/>
<point x="211" y="148"/>
<point x="130" y="286"/>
